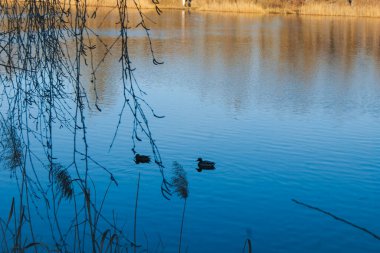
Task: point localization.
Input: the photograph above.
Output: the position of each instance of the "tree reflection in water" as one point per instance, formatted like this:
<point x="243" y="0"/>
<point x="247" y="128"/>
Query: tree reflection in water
<point x="42" y="90"/>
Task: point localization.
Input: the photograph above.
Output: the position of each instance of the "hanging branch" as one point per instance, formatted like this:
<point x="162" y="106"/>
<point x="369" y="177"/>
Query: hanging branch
<point x="44" y="48"/>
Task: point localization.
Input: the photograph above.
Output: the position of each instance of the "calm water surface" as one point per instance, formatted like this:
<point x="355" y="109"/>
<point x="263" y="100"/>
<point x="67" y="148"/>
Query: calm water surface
<point x="287" y="107"/>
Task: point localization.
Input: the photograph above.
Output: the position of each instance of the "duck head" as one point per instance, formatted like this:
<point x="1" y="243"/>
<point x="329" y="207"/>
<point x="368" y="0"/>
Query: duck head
<point x="199" y="160"/>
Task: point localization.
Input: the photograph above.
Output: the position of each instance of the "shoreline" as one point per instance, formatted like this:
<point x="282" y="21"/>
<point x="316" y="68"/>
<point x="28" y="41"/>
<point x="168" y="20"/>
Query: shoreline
<point x="341" y="8"/>
<point x="358" y="8"/>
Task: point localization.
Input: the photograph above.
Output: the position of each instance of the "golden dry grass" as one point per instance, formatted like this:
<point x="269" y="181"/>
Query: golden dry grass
<point x="228" y="6"/>
<point x="113" y="3"/>
<point x="356" y="10"/>
<point x="364" y="8"/>
<point x="359" y="8"/>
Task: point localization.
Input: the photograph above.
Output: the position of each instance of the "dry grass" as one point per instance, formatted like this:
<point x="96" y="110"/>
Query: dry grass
<point x="359" y="8"/>
<point x="145" y="4"/>
<point x="228" y="6"/>
<point x="112" y="3"/>
<point x="364" y="9"/>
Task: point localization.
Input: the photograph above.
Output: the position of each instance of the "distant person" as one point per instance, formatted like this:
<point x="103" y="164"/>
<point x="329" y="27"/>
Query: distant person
<point x="188" y="3"/>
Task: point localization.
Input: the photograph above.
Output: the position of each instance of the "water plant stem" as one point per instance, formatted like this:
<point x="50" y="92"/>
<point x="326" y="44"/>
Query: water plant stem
<point x="183" y="218"/>
<point x="136" y="204"/>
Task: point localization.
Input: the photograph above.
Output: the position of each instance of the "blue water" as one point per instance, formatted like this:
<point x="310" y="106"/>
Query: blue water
<point x="287" y="107"/>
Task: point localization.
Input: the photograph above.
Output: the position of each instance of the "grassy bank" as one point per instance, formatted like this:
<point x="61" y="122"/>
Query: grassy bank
<point x="362" y="8"/>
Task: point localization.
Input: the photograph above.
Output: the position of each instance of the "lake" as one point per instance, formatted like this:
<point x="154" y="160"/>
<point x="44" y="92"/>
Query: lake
<point x="287" y="106"/>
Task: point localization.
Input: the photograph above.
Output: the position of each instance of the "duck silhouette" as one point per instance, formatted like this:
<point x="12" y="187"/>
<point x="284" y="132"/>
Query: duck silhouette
<point x="205" y="165"/>
<point x="142" y="159"/>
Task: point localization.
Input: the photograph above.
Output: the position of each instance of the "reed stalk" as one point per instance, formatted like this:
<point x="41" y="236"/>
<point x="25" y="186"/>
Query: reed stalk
<point x="135" y="218"/>
<point x="181" y="187"/>
<point x="182" y="222"/>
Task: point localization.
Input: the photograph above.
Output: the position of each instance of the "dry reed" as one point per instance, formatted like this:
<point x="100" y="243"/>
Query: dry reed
<point x="181" y="187"/>
<point x="364" y="9"/>
<point x="63" y="181"/>
<point x="358" y="8"/>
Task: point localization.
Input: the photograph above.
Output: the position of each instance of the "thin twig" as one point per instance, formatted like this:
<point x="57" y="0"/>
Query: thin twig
<point x="337" y="218"/>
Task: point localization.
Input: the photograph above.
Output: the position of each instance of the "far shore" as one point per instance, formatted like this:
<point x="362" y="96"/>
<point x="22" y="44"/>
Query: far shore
<point x="348" y="8"/>
<point x="357" y="8"/>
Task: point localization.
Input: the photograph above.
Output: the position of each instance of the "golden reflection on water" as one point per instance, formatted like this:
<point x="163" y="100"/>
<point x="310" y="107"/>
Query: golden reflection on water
<point x="246" y="49"/>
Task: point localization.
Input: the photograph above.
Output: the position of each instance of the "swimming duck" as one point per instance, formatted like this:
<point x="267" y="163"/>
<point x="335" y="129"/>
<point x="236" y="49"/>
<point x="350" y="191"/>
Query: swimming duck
<point x="205" y="165"/>
<point x="142" y="159"/>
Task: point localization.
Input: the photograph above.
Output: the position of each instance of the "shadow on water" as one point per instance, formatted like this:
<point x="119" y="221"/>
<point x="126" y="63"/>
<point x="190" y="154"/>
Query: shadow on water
<point x="46" y="52"/>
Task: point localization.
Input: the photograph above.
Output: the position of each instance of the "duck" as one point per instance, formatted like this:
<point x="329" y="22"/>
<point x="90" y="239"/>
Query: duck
<point x="142" y="159"/>
<point x="205" y="165"/>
